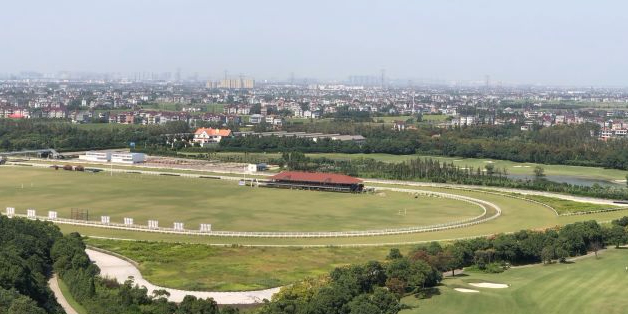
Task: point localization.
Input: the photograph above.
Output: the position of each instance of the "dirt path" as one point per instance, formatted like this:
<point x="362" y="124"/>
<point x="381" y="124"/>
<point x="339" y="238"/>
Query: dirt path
<point x="119" y="269"/>
<point x="54" y="286"/>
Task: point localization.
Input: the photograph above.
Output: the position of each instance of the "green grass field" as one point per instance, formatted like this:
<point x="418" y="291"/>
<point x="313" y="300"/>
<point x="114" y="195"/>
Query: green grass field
<point x="588" y="285"/>
<point x="511" y="167"/>
<point x="223" y="203"/>
<point x="104" y="126"/>
<point x="566" y="206"/>
<point x="201" y="267"/>
<point x="515" y="168"/>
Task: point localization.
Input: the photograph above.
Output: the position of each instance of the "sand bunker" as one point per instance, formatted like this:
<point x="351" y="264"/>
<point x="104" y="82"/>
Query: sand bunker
<point x="517" y="166"/>
<point x="489" y="285"/>
<point x="463" y="290"/>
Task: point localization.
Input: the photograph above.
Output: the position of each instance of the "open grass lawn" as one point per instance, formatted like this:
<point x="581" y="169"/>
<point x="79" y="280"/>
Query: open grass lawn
<point x="104" y="126"/>
<point x="511" y="167"/>
<point x="515" y="168"/>
<point x="391" y="119"/>
<point x="223" y="203"/>
<point x="201" y="267"/>
<point x="516" y="215"/>
<point x="588" y="285"/>
<point x="566" y="206"/>
<point x="434" y="117"/>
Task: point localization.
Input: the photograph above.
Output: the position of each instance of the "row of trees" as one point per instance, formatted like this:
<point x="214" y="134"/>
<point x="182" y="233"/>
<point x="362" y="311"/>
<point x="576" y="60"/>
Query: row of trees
<point x="25" y="266"/>
<point x="30" y="251"/>
<point x="36" y="134"/>
<point x="375" y="288"/>
<point x="427" y="169"/>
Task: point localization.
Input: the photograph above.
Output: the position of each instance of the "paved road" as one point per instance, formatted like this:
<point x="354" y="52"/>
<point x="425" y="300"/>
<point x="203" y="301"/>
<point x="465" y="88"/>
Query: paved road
<point x="54" y="286"/>
<point x="115" y="267"/>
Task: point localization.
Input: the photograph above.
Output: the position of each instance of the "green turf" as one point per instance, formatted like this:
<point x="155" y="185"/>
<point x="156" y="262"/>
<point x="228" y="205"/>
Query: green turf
<point x="566" y="206"/>
<point x="68" y="296"/>
<point x="588" y="285"/>
<point x="105" y="126"/>
<point x="199" y="267"/>
<point x="223" y="203"/>
<point x="594" y="173"/>
<point x="511" y="167"/>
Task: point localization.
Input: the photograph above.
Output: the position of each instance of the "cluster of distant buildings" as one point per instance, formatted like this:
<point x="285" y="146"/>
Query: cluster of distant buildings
<point x="207" y="136"/>
<point x="240" y="101"/>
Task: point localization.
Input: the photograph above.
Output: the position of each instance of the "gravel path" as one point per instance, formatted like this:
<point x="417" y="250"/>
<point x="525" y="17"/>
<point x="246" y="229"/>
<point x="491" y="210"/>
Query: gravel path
<point x="119" y="269"/>
<point x="54" y="286"/>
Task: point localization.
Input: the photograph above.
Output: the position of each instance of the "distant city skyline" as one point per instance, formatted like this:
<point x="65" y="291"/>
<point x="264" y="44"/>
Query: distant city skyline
<point x="563" y="43"/>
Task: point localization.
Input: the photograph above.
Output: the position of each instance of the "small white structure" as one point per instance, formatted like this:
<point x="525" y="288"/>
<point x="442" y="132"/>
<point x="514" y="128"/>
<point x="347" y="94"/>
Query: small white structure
<point x="153" y="224"/>
<point x="178" y="226"/>
<point x="128" y="158"/>
<point x="105" y="219"/>
<point x="52" y="215"/>
<point x="128" y="221"/>
<point x="30" y="214"/>
<point x="96" y="156"/>
<point x="10" y="211"/>
<point x="206" y="228"/>
<point x="251" y="168"/>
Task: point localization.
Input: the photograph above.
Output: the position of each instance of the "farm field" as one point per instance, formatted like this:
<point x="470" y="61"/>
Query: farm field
<point x="223" y="203"/>
<point x="588" y="285"/>
<point x="201" y="267"/>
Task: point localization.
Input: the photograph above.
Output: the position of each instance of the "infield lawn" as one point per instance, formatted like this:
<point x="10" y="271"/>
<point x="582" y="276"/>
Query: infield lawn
<point x="222" y="203"/>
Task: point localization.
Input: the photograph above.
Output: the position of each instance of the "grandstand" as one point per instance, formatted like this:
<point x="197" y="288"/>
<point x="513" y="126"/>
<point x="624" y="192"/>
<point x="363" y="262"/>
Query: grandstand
<point x="315" y="181"/>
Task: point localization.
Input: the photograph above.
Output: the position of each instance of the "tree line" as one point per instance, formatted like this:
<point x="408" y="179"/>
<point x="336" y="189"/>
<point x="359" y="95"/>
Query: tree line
<point x="39" y="133"/>
<point x="376" y="287"/>
<point x="32" y="250"/>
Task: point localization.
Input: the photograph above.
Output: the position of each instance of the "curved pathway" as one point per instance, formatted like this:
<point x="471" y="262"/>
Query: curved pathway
<point x="120" y="269"/>
<point x="54" y="286"/>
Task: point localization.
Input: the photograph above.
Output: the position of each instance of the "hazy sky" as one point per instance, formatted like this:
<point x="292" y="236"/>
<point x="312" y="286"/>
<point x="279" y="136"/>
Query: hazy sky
<point x="547" y="42"/>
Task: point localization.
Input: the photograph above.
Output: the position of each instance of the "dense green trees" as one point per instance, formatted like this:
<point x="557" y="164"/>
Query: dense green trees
<point x="31" y="250"/>
<point x="25" y="266"/>
<point x="36" y="134"/>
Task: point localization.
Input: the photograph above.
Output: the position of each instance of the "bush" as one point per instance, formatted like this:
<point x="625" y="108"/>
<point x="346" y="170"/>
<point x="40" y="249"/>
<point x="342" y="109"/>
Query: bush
<point x="68" y="167"/>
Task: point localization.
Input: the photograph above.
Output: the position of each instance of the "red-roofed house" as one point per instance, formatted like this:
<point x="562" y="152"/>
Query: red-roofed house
<point x="316" y="181"/>
<point x="203" y="136"/>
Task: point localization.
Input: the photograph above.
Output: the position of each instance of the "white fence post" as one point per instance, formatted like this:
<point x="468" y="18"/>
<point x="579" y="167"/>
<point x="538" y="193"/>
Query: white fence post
<point x="153" y="224"/>
<point x="178" y="226"/>
<point x="52" y="215"/>
<point x="206" y="228"/>
<point x="105" y="220"/>
<point x="10" y="211"/>
<point x="30" y="214"/>
<point x="128" y="221"/>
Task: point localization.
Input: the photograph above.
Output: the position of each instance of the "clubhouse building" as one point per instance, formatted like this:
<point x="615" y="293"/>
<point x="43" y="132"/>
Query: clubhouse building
<point x="315" y="181"/>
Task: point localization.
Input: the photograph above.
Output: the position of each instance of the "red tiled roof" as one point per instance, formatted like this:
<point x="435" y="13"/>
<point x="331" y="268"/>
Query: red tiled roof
<point x="299" y="176"/>
<point x="210" y="131"/>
